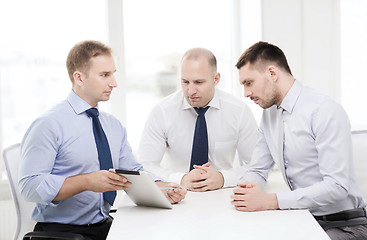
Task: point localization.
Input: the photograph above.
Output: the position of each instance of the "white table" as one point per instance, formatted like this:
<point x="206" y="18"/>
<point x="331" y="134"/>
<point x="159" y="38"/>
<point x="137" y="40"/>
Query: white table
<point x="209" y="215"/>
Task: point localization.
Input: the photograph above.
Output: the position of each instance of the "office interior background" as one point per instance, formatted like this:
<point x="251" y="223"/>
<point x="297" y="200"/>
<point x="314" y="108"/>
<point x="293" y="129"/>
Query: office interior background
<point x="325" y="42"/>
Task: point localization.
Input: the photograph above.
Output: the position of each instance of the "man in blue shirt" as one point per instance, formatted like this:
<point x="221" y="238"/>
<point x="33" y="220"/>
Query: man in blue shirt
<point x="60" y="170"/>
<point x="307" y="135"/>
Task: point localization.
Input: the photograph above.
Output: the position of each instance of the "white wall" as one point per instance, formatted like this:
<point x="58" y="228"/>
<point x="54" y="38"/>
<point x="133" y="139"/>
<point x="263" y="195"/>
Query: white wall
<point x="116" y="41"/>
<point x="308" y="31"/>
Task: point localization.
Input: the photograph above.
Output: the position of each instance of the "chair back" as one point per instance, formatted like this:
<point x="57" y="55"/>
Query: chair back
<point x="24" y="209"/>
<point x="359" y="141"/>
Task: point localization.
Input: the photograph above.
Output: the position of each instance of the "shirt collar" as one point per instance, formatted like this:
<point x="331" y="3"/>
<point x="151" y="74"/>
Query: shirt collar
<point x="214" y="103"/>
<point x="291" y="98"/>
<point x="77" y="103"/>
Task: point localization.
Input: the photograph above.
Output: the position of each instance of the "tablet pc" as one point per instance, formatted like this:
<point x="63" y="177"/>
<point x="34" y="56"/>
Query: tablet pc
<point x="144" y="191"/>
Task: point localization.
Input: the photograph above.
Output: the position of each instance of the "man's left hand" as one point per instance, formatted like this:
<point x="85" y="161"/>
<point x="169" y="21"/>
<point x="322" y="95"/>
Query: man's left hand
<point x="211" y="179"/>
<point x="173" y="192"/>
<point x="250" y="197"/>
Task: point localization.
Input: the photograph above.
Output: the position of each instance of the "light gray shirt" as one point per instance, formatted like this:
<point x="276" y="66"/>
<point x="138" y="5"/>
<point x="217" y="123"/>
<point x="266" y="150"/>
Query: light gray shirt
<point x="314" y="153"/>
<point x="166" y="143"/>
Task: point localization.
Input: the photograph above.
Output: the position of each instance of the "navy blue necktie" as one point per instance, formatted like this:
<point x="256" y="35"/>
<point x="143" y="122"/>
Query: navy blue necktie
<point x="104" y="153"/>
<point x="199" y="154"/>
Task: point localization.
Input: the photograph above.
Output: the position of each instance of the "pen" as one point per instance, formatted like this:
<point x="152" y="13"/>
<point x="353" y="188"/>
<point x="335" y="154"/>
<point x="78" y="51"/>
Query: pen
<point x="170" y="188"/>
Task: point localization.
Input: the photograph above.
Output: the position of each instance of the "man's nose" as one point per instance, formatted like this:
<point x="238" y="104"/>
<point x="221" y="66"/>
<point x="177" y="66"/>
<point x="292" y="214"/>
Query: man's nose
<point x="191" y="89"/>
<point x="113" y="82"/>
<point x="247" y="92"/>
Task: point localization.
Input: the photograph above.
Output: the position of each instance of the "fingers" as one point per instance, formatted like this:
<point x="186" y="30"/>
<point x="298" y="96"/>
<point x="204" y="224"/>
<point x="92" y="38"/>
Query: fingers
<point x="248" y="185"/>
<point x="206" y="164"/>
<point x="243" y="206"/>
<point x="176" y="192"/>
<point x="176" y="195"/>
<point x="210" y="181"/>
<point x="174" y="185"/>
<point x="195" y="175"/>
<point x="239" y="199"/>
<point x="196" y="171"/>
<point x="240" y="190"/>
<point x="173" y="192"/>
<point x="192" y="179"/>
<point x="203" y="167"/>
<point x="117" y="182"/>
<point x="199" y="185"/>
<point x="116" y="177"/>
<point x="243" y="209"/>
<point x="199" y="189"/>
<point x="202" y="186"/>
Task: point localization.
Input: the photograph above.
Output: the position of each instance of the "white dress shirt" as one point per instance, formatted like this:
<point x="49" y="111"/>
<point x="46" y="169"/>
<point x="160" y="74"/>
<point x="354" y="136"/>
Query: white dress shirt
<point x="317" y="151"/>
<point x="166" y="143"/>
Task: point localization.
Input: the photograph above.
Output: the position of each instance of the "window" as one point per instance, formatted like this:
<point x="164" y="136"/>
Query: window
<point x="32" y="72"/>
<point x="33" y="76"/>
<point x="353" y="60"/>
<point x="37" y="36"/>
<point x="157" y="33"/>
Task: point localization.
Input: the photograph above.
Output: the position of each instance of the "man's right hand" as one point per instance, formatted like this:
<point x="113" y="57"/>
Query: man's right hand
<point x="104" y="181"/>
<point x="194" y="179"/>
<point x="100" y="181"/>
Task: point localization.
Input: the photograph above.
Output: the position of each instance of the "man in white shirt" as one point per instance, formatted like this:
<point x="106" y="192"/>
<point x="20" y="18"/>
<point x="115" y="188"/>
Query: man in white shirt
<point x="167" y="140"/>
<point x="307" y="135"/>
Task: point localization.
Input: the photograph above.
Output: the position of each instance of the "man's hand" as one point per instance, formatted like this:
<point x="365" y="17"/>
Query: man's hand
<point x="202" y="178"/>
<point x="173" y="192"/>
<point x="100" y="181"/>
<point x="104" y="181"/>
<point x="249" y="197"/>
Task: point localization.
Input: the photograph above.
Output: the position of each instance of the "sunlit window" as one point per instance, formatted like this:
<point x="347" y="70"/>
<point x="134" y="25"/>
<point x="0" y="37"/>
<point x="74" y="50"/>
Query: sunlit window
<point x="353" y="60"/>
<point x="157" y="33"/>
<point x="36" y="37"/>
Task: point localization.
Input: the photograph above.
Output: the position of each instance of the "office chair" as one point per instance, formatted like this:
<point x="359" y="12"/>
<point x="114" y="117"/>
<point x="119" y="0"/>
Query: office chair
<point x="359" y="142"/>
<point x="24" y="209"/>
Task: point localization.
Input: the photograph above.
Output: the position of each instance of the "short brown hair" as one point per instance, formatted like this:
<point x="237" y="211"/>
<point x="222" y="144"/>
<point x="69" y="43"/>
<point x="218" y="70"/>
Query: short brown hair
<point x="262" y="52"/>
<point x="79" y="56"/>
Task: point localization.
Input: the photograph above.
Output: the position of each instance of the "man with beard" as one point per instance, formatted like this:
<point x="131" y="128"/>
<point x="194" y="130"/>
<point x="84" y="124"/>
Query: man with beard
<point x="307" y="135"/>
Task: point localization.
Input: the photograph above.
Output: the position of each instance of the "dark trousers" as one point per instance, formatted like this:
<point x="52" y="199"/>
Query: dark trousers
<point x="97" y="231"/>
<point x="345" y="225"/>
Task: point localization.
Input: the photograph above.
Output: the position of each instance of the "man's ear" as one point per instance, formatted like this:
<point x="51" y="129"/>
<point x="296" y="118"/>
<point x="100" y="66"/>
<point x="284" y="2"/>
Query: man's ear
<point x="273" y="73"/>
<point x="78" y="78"/>
<point x="216" y="78"/>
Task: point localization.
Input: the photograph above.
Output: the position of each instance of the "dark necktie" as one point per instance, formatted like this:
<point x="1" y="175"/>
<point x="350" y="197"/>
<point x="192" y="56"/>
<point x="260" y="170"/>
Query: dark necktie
<point x="199" y="154"/>
<point x="104" y="154"/>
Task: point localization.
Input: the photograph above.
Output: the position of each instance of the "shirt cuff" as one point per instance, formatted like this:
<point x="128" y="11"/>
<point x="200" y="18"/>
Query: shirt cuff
<point x="230" y="179"/>
<point x="50" y="187"/>
<point x="154" y="177"/>
<point x="287" y="200"/>
<point x="176" y="177"/>
<point x="253" y="177"/>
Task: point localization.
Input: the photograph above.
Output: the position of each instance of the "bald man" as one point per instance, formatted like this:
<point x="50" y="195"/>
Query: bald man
<point x="169" y="145"/>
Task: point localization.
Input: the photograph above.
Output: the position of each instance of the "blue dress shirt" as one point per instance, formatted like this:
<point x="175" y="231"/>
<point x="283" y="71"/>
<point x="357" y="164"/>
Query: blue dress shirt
<point x="314" y="153"/>
<point x="61" y="144"/>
